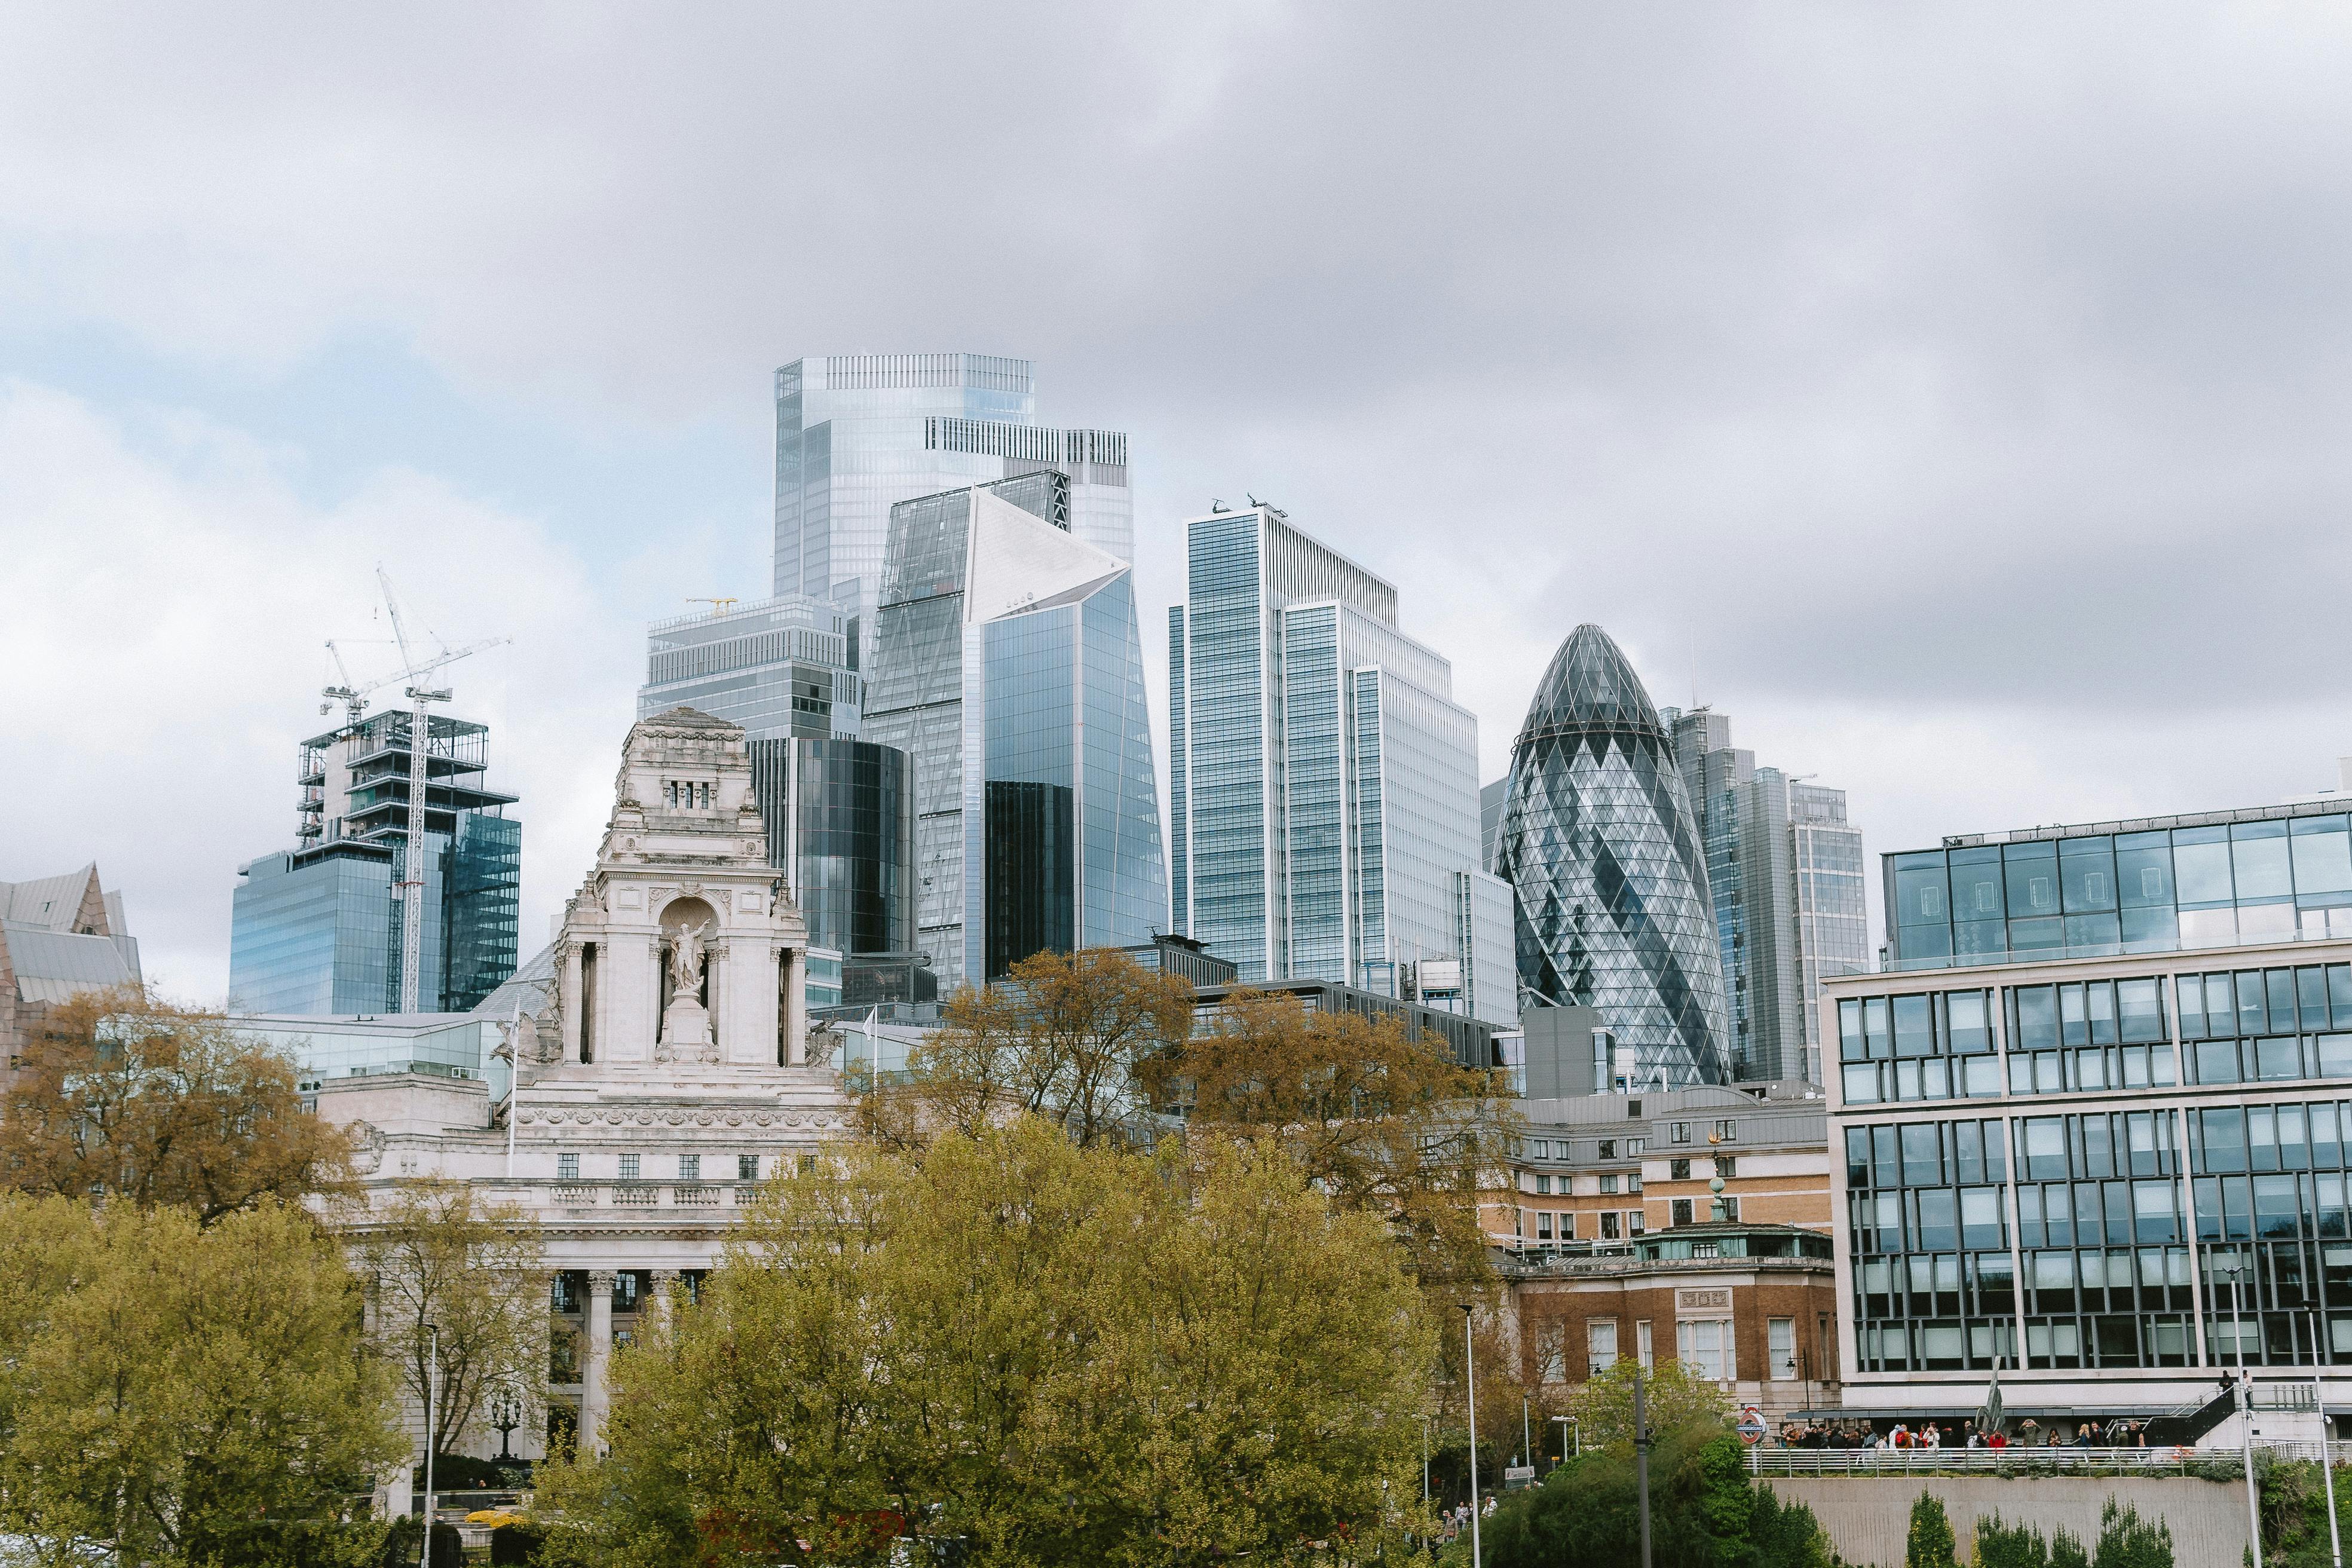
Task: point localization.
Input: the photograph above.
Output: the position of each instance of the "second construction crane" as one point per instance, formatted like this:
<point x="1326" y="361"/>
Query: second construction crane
<point x="416" y="663"/>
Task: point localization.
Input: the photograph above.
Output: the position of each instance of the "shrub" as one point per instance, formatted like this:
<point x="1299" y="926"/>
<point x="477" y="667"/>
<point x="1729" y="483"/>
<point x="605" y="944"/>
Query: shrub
<point x="1930" y="1543"/>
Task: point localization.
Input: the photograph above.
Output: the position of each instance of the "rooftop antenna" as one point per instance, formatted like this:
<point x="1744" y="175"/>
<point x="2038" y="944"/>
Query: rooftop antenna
<point x="414" y="666"/>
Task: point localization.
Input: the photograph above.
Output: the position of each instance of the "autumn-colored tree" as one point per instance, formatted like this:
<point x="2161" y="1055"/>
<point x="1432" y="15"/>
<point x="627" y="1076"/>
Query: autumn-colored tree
<point x="1061" y="1037"/>
<point x="192" y="1394"/>
<point x="435" y="1255"/>
<point x="1049" y="1353"/>
<point x="124" y="1096"/>
<point x="1386" y="1123"/>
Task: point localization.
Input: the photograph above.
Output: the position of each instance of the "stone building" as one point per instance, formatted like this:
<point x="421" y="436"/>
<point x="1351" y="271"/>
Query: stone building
<point x="662" y="1068"/>
<point x="59" y="935"/>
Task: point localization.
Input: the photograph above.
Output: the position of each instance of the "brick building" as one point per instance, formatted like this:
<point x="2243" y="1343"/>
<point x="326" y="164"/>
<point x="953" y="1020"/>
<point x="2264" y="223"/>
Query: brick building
<point x="1752" y="1307"/>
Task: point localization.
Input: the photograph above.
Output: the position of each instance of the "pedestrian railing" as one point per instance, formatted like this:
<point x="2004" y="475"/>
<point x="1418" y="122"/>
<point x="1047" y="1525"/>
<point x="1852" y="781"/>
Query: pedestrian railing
<point x="2014" y="1460"/>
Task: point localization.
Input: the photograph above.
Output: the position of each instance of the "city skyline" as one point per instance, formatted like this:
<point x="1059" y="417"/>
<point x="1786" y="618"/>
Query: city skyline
<point x="1918" y="456"/>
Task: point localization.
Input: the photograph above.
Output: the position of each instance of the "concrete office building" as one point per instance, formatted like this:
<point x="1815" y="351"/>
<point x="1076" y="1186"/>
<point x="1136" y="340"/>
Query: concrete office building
<point x="2090" y="1123"/>
<point x="1786" y="876"/>
<point x="1601" y="846"/>
<point x="59" y="936"/>
<point x="1009" y="668"/>
<point x="1323" y="782"/>
<point x="316" y="929"/>
<point x="857" y="433"/>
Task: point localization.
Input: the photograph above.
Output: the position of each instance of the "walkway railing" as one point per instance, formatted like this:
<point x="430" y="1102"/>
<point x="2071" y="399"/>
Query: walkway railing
<point x="2017" y="1460"/>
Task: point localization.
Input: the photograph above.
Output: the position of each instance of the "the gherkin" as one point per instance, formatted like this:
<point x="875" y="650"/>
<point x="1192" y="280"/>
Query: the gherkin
<point x="1601" y="845"/>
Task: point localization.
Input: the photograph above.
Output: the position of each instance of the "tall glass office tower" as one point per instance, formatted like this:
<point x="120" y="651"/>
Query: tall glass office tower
<point x="1599" y="842"/>
<point x="1784" y="871"/>
<point x="779" y="667"/>
<point x="857" y="434"/>
<point x="316" y="929"/>
<point x="1323" y="782"/>
<point x="1010" y="666"/>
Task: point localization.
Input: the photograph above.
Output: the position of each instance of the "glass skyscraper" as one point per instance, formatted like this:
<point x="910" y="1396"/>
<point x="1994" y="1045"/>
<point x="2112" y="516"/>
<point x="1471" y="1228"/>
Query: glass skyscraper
<point x="318" y="929"/>
<point x="1785" y="874"/>
<point x="1602" y="844"/>
<point x="1323" y="782"/>
<point x="840" y="822"/>
<point x="857" y="434"/>
<point x="1009" y="668"/>
<point x="780" y="666"/>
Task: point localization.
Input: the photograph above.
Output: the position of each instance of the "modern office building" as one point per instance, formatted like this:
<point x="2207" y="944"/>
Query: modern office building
<point x="780" y="667"/>
<point x="1601" y="846"/>
<point x="1322" y="781"/>
<point x="857" y="433"/>
<point x="1785" y="873"/>
<point x="59" y="936"/>
<point x="2091" y="1120"/>
<point x="316" y="929"/>
<point x="1009" y="668"/>
<point x="840" y="821"/>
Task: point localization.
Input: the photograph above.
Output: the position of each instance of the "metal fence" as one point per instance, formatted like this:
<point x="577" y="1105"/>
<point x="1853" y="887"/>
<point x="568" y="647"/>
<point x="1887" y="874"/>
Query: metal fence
<point x="2016" y="1460"/>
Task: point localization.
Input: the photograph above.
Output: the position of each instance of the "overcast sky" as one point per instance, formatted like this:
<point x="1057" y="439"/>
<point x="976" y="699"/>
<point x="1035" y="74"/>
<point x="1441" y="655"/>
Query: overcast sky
<point x="1955" y="396"/>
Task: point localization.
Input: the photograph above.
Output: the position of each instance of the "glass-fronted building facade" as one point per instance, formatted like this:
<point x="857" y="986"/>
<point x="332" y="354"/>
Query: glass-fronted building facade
<point x="318" y="929"/>
<point x="1324" y="791"/>
<point x="2150" y="885"/>
<point x="779" y="668"/>
<point x="857" y="433"/>
<point x="1602" y="847"/>
<point x="2105" y="1177"/>
<point x="1009" y="668"/>
<point x="840" y="822"/>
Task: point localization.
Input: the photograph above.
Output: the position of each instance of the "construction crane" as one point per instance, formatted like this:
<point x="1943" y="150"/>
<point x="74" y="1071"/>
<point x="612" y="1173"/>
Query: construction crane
<point x="354" y="699"/>
<point x="717" y="606"/>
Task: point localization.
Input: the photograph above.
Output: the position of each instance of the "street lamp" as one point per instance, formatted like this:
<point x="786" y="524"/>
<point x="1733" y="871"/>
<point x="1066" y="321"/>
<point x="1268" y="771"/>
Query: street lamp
<point x="1470" y="1380"/>
<point x="432" y="1423"/>
<point x="506" y="1415"/>
<point x="1573" y="1435"/>
<point x="2246" y="1410"/>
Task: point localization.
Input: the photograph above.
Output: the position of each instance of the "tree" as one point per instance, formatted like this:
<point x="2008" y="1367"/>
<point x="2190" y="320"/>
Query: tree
<point x="122" y="1095"/>
<point x="2127" y="1540"/>
<point x="2003" y="1545"/>
<point x="192" y="1395"/>
<point x="437" y="1256"/>
<point x="1930" y="1543"/>
<point x="1705" y="1514"/>
<point x="1387" y="1124"/>
<point x="1672" y="1397"/>
<point x="1047" y="1352"/>
<point x="1061" y="1038"/>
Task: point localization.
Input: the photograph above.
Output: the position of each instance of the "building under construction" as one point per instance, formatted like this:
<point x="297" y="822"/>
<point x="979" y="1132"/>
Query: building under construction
<point x="320" y="928"/>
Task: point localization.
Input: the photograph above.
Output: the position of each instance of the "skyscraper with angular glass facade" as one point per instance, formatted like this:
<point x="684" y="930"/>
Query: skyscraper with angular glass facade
<point x="318" y="929"/>
<point x="2095" y="1115"/>
<point x="857" y="434"/>
<point x="1323" y="782"/>
<point x="1602" y="844"/>
<point x="1785" y="874"/>
<point x="1008" y="666"/>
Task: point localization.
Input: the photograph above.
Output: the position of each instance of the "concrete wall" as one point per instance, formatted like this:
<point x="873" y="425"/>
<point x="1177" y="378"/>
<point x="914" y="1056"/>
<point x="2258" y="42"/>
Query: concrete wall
<point x="1868" y="1518"/>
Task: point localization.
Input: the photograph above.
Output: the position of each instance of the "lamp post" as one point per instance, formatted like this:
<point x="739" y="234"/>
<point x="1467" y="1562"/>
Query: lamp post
<point x="2326" y="1470"/>
<point x="1570" y="1435"/>
<point x="2245" y="1411"/>
<point x="431" y="1421"/>
<point x="1470" y="1382"/>
<point x="1641" y="1462"/>
<point x="506" y="1415"/>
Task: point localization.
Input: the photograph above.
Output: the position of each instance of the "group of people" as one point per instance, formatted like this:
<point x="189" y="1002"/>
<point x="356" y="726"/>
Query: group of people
<point x="2030" y="1434"/>
<point x="1456" y="1520"/>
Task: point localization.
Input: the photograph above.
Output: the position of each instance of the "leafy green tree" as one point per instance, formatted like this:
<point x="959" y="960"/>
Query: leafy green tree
<point x="2004" y="1545"/>
<point x="2065" y="1552"/>
<point x="1672" y="1398"/>
<point x="1930" y="1543"/>
<point x="2127" y="1540"/>
<point x="1042" y="1352"/>
<point x="194" y="1395"/>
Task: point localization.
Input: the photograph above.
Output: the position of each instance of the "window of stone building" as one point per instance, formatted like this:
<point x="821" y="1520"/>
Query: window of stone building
<point x="1543" y="1182"/>
<point x="567" y="1167"/>
<point x="1678" y="1170"/>
<point x="1727" y="1132"/>
<point x="1642" y="1346"/>
<point x="1608" y="1183"/>
<point x="1608" y="1149"/>
<point x="628" y="1167"/>
<point x="808" y="1164"/>
<point x="1635" y="1146"/>
<point x="1725" y="1166"/>
<point x="1611" y="1230"/>
<point x="747" y="1167"/>
<point x="1679" y="1132"/>
<point x="690" y="1167"/>
<point x="1600" y="1343"/>
<point x="1705" y="1347"/>
<point x="1636" y="1223"/>
<point x="1780" y="1347"/>
<point x="1731" y="1209"/>
<point x="1567" y="1228"/>
<point x="1633" y="1181"/>
<point x="1543" y="1225"/>
<point x="1678" y="1212"/>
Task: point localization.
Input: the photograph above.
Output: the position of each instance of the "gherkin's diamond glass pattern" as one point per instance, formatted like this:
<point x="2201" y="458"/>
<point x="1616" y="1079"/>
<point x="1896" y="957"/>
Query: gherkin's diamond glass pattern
<point x="1597" y="841"/>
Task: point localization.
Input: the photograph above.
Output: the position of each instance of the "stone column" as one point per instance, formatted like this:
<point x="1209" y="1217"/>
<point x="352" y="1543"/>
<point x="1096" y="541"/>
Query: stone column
<point x="570" y="1001"/>
<point x="660" y="1308"/>
<point x="598" y="1357"/>
<point x="796" y="1004"/>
